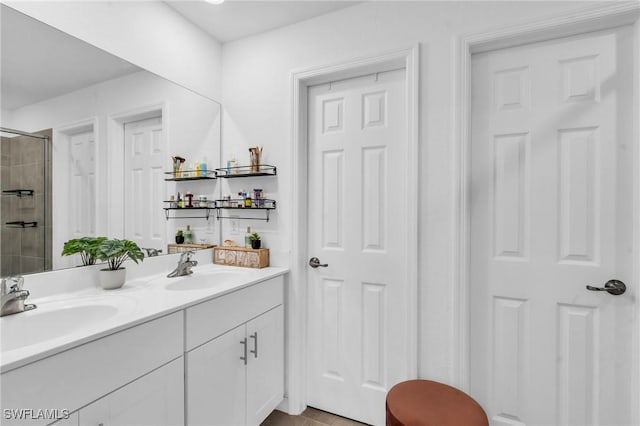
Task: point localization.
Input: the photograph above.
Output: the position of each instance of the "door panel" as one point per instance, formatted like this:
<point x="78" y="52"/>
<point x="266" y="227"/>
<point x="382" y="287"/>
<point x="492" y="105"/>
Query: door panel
<point x="265" y="367"/>
<point x="551" y="213"/>
<point x="216" y="381"/>
<point x="145" y="158"/>
<point x="156" y="399"/>
<point x="82" y="179"/>
<point x="357" y="327"/>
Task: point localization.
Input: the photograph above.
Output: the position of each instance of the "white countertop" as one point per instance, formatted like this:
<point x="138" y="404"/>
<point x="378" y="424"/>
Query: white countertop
<point x="139" y="300"/>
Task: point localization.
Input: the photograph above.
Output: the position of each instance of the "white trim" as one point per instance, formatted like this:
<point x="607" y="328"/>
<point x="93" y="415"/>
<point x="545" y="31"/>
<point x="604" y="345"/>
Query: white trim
<point x="587" y="20"/>
<point x="635" y="391"/>
<point x="297" y="290"/>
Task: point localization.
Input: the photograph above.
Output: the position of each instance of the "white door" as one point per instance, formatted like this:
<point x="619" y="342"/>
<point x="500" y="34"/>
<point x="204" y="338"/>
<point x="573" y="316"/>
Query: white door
<point x="551" y="212"/>
<point x="144" y="162"/>
<point x="357" y="323"/>
<point x="216" y="381"/>
<point x="265" y="366"/>
<point x="82" y="185"/>
<point x="76" y="204"/>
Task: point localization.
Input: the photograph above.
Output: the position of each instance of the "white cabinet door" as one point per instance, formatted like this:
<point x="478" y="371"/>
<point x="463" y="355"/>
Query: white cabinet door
<point x="265" y="366"/>
<point x="156" y="399"/>
<point x="72" y="420"/>
<point x="216" y="381"/>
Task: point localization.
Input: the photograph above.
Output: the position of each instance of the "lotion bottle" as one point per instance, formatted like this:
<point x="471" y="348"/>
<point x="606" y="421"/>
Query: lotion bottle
<point x="188" y="235"/>
<point x="247" y="238"/>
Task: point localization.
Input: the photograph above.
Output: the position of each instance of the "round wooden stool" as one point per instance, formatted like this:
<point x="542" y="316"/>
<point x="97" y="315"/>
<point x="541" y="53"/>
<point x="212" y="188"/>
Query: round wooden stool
<point x="427" y="403"/>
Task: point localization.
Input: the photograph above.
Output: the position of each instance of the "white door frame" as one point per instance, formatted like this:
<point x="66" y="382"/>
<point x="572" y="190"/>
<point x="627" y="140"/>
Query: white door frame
<point x="296" y="290"/>
<point x="587" y="20"/>
<point x="115" y="154"/>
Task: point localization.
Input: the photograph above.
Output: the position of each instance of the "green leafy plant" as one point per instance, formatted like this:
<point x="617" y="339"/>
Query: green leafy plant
<point x="255" y="237"/>
<point x="179" y="233"/>
<point x="87" y="247"/>
<point x="115" y="252"/>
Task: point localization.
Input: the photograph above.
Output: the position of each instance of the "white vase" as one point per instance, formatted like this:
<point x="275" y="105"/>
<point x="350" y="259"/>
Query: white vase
<point x="110" y="279"/>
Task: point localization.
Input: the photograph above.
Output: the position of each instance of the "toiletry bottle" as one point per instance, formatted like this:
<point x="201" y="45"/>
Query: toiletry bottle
<point x="203" y="167"/>
<point x="180" y="202"/>
<point x="247" y="238"/>
<point x="197" y="169"/>
<point x="233" y="164"/>
<point x="242" y="202"/>
<point x="188" y="235"/>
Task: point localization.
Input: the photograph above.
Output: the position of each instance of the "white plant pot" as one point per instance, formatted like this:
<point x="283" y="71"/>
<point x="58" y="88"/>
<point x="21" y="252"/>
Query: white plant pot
<point x="110" y="279"/>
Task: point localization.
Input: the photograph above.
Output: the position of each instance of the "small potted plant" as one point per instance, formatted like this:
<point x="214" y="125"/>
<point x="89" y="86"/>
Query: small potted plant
<point x="179" y="236"/>
<point x="85" y="246"/>
<point x="115" y="252"/>
<point x="255" y="241"/>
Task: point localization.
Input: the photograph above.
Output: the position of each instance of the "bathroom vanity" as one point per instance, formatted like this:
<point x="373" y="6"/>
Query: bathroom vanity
<point x="204" y="349"/>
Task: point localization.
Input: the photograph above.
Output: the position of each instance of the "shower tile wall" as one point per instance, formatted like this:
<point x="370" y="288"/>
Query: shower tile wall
<point x="25" y="250"/>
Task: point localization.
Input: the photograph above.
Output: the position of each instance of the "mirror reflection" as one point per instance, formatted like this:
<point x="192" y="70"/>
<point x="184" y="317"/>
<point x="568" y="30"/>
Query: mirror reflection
<point x="86" y="141"/>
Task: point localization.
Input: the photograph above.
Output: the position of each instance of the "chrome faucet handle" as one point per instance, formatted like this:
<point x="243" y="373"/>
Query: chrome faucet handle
<point x="186" y="256"/>
<point x="18" y="282"/>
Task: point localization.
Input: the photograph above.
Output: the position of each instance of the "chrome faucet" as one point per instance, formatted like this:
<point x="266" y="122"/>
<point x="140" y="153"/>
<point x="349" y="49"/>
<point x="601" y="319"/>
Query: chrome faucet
<point x="184" y="265"/>
<point x="13" y="296"/>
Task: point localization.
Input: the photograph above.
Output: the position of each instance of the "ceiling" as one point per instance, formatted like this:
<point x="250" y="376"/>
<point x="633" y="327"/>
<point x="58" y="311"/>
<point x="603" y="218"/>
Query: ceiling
<point x="72" y="64"/>
<point x="235" y="19"/>
<point x="40" y="62"/>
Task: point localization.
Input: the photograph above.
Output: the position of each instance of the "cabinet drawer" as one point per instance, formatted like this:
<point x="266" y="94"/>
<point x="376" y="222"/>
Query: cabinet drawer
<point x="74" y="378"/>
<point x="215" y="317"/>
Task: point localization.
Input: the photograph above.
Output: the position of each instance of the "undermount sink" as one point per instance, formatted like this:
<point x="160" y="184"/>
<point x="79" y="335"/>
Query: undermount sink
<point x="206" y="279"/>
<point x="51" y="321"/>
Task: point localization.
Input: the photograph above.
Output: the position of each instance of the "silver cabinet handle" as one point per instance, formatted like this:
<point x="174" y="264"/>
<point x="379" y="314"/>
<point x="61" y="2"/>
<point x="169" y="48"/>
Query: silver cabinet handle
<point x="243" y="342"/>
<point x="254" y="336"/>
<point x="614" y="287"/>
<point x="314" y="262"/>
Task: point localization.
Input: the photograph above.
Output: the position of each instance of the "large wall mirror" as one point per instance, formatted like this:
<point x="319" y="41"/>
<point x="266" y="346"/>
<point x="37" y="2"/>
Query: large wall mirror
<point x="86" y="140"/>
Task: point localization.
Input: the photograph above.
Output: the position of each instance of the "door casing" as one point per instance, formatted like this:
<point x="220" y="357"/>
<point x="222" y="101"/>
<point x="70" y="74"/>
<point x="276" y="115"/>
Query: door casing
<point x="296" y="398"/>
<point x="587" y="20"/>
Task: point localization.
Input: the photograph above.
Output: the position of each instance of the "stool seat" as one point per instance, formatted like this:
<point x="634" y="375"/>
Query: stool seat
<point x="428" y="403"/>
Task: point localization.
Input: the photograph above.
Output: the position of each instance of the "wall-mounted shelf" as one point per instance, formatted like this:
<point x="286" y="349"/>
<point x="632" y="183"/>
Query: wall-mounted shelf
<point x="246" y="171"/>
<point x="264" y="204"/>
<point x="190" y="175"/>
<point x="21" y="224"/>
<point x="18" y="192"/>
<point x="205" y="212"/>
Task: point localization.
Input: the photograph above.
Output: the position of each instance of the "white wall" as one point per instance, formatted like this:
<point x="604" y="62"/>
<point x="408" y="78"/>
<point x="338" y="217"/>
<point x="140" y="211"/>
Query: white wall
<point x="148" y="34"/>
<point x="191" y="127"/>
<point x="257" y="111"/>
<point x="5" y="117"/>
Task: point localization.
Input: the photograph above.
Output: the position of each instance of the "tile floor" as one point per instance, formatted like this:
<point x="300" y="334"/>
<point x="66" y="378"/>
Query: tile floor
<point x="310" y="417"/>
